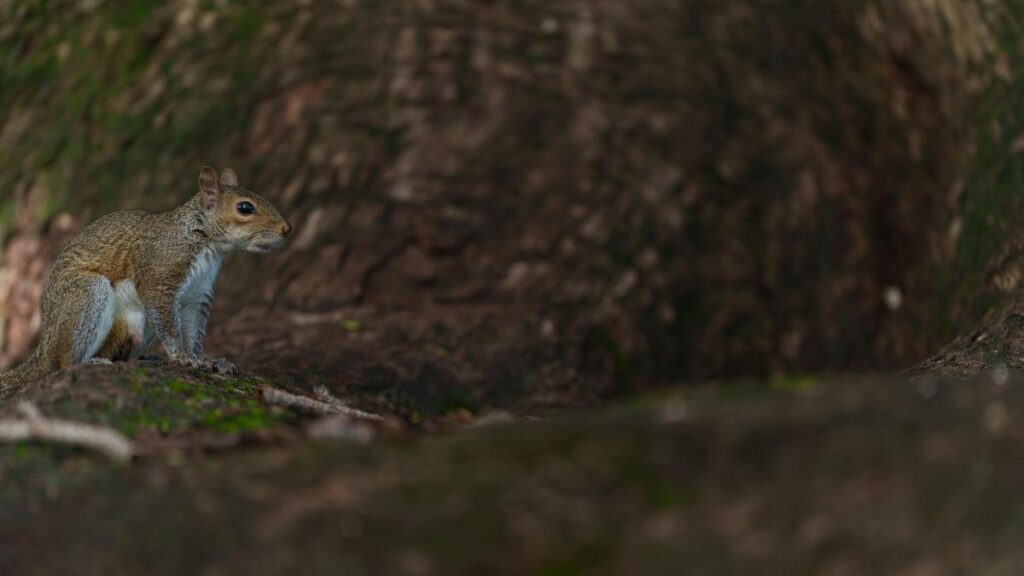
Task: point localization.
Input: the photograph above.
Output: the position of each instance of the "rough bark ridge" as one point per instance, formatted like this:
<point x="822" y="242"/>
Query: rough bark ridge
<point x="602" y="193"/>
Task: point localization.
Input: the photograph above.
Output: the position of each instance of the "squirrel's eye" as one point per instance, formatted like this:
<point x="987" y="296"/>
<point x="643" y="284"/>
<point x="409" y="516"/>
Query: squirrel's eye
<point x="245" y="208"/>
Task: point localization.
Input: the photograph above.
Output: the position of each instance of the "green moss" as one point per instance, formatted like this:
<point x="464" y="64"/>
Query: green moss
<point x="131" y="14"/>
<point x="793" y="381"/>
<point x="248" y="23"/>
<point x="662" y="494"/>
<point x="145" y="399"/>
<point x="585" y="560"/>
<point x="93" y="74"/>
<point x="992" y="205"/>
<point x="245" y="418"/>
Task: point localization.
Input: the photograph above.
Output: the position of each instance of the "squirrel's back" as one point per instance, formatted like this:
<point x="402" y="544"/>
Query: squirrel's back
<point x="110" y="245"/>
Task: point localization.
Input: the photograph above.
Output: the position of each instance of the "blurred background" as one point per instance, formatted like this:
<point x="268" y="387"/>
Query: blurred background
<point x="533" y="204"/>
<point x="580" y="195"/>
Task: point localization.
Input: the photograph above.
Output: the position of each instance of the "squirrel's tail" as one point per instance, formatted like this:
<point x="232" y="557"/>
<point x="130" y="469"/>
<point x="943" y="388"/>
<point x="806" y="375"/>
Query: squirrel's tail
<point x="11" y="381"/>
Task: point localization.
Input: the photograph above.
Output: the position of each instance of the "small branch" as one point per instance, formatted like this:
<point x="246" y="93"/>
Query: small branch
<point x="326" y="405"/>
<point x="33" y="426"/>
<point x="338" y="420"/>
<point x="284" y="399"/>
<point x="324" y="395"/>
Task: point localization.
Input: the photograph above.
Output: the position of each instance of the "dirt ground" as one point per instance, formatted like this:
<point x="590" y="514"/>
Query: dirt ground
<point x="805" y="477"/>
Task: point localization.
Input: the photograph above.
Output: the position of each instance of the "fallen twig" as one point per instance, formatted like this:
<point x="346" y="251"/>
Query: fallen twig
<point x="329" y="406"/>
<point x="33" y="426"/>
<point x="324" y="395"/>
<point x="284" y="399"/>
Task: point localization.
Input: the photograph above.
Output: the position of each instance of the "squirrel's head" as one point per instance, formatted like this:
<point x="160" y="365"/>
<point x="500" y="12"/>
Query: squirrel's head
<point x="238" y="218"/>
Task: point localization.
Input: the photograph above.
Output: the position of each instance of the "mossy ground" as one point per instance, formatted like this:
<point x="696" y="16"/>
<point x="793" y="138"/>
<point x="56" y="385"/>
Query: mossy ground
<point x="153" y="398"/>
<point x="856" y="476"/>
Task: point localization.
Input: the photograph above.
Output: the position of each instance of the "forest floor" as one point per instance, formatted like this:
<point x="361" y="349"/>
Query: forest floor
<point x="803" y="476"/>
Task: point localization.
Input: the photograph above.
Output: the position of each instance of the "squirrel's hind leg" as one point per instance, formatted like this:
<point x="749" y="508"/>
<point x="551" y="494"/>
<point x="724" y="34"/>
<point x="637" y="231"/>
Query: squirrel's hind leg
<point x="83" y="306"/>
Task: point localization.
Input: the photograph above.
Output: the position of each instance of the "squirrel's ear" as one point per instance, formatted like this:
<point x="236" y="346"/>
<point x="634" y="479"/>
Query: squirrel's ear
<point x="228" y="177"/>
<point x="208" y="187"/>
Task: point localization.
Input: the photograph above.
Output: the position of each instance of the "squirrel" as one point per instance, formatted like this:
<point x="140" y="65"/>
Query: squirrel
<point x="131" y="278"/>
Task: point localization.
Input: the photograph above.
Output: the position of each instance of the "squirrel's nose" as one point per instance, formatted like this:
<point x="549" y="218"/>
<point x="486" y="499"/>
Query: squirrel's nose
<point x="286" y="229"/>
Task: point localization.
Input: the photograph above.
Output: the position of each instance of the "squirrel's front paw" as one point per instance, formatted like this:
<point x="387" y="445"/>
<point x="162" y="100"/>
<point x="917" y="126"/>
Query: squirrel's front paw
<point x="219" y="365"/>
<point x="195" y="362"/>
<point x="190" y="360"/>
<point x="223" y="366"/>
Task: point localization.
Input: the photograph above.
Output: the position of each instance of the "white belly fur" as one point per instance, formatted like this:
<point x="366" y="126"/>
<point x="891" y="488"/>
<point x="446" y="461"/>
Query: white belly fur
<point x="128" y="309"/>
<point x="196" y="293"/>
<point x="198" y="284"/>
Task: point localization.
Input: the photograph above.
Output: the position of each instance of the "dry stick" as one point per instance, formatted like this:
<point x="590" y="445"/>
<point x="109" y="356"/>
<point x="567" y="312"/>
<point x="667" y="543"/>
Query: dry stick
<point x="34" y="426"/>
<point x="311" y="405"/>
<point x="288" y="400"/>
<point x="338" y="419"/>
<point x="332" y="406"/>
<point x="324" y="395"/>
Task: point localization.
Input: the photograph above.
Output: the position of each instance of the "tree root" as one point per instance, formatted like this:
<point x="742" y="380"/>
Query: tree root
<point x="33" y="426"/>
